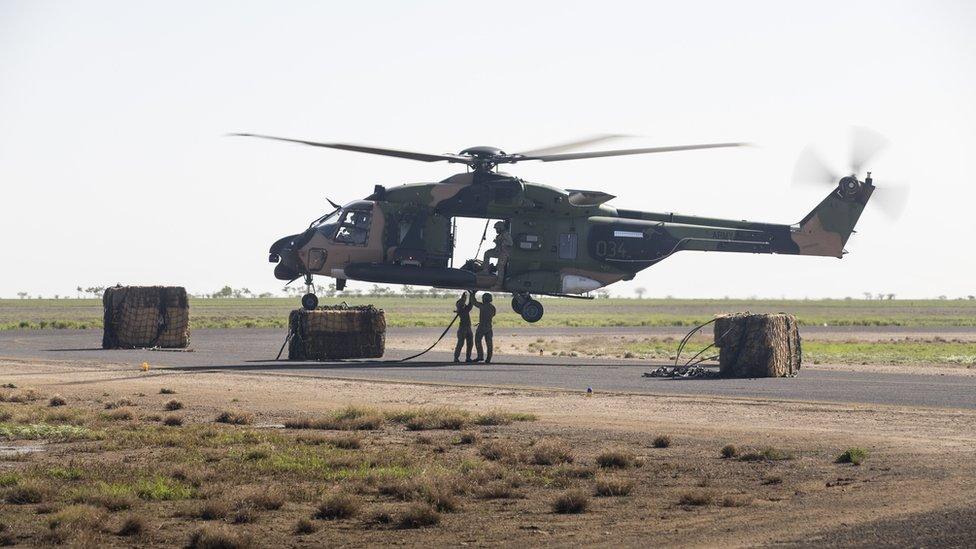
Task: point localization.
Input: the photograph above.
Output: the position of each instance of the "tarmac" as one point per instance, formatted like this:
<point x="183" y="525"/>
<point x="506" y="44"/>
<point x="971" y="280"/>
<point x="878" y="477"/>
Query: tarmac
<point x="253" y="351"/>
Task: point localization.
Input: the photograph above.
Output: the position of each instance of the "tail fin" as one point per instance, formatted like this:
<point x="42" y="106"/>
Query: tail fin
<point x="825" y="230"/>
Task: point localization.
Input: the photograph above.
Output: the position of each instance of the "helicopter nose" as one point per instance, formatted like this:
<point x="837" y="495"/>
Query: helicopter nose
<point x="284" y="252"/>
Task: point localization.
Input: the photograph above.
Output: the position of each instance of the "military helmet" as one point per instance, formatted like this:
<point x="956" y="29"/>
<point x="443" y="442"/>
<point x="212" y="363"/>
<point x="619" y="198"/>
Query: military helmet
<point x="500" y="225"/>
<point x="486" y="297"/>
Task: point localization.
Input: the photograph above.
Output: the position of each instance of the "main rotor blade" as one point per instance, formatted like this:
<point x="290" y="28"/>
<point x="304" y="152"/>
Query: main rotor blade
<point x="810" y="169"/>
<point x="865" y="143"/>
<point x="624" y="152"/>
<point x="569" y="145"/>
<point x="423" y="157"/>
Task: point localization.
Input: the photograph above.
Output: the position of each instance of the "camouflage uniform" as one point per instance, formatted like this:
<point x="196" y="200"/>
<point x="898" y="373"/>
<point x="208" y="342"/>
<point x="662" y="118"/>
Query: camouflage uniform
<point x="503" y="245"/>
<point x="486" y="312"/>
<point x="464" y="336"/>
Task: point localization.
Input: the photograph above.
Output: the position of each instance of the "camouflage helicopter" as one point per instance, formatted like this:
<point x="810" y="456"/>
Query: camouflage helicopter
<point x="556" y="242"/>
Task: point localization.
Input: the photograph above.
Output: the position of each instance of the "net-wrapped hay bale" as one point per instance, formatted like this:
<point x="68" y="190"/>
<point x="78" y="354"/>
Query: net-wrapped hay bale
<point x="146" y="316"/>
<point x="758" y="345"/>
<point x="337" y="332"/>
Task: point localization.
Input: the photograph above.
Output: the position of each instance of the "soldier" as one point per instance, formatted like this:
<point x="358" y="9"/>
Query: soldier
<point x="503" y="245"/>
<point x="486" y="312"/>
<point x="464" y="337"/>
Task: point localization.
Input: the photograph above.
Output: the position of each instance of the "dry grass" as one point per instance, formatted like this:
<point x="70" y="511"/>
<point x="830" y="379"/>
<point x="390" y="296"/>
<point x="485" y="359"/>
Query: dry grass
<point x="235" y="417"/>
<point x="551" y="452"/>
<point x="767" y="454"/>
<point x="571" y="501"/>
<point x="347" y="419"/>
<point x="304" y="526"/>
<point x="468" y="437"/>
<point x="217" y="537"/>
<point x="120" y="403"/>
<point x="173" y="405"/>
<point x="696" y="499"/>
<point x="418" y="515"/>
<point x="132" y="526"/>
<point x="497" y="417"/>
<point x="337" y="505"/>
<point x="346" y="442"/>
<point x="662" y="441"/>
<point x="26" y="492"/>
<point x="172" y="421"/>
<point x="56" y="400"/>
<point x="729" y="451"/>
<point x="267" y="499"/>
<point x="166" y="391"/>
<point x="735" y="501"/>
<point x="613" y="486"/>
<point x="616" y="458"/>
<point x="120" y="415"/>
<point x="497" y="489"/>
<point x="499" y="450"/>
<point x="75" y="521"/>
<point x="217" y="509"/>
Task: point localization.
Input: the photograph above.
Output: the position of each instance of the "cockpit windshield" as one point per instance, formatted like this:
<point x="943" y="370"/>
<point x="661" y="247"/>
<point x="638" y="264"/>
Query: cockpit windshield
<point x="329" y="218"/>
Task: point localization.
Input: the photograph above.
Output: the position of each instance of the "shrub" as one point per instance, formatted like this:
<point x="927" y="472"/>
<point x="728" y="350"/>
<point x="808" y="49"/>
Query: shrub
<point x="441" y="418"/>
<point x="773" y="479"/>
<point x="440" y="492"/>
<point x="167" y="391"/>
<point x="173" y="405"/>
<point x="613" y="486"/>
<point x="734" y="501"/>
<point x="114" y="497"/>
<point x="498" y="450"/>
<point x="120" y="415"/>
<point x="57" y="400"/>
<point x="172" y="421"/>
<point x="26" y="493"/>
<point x="616" y="459"/>
<point x="662" y="441"/>
<point x="133" y="525"/>
<point x="346" y="419"/>
<point x="346" y="442"/>
<point x="212" y="537"/>
<point x="337" y="505"/>
<point x="162" y="489"/>
<point x="235" y="417"/>
<point x="9" y="479"/>
<point x="571" y="501"/>
<point x="268" y="499"/>
<point x="696" y="498"/>
<point x="120" y="403"/>
<point x="551" y="453"/>
<point x="418" y="515"/>
<point x="467" y="437"/>
<point x="497" y="489"/>
<point x="495" y="417"/>
<point x="854" y="456"/>
<point x="76" y="518"/>
<point x="304" y="526"/>
<point x="729" y="451"/>
<point x="211" y="510"/>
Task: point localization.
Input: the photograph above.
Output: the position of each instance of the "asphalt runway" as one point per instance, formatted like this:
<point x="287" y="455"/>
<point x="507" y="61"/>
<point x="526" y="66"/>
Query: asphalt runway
<point x="253" y="351"/>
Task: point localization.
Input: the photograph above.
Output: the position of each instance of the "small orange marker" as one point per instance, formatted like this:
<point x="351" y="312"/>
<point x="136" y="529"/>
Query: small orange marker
<point x="145" y="366"/>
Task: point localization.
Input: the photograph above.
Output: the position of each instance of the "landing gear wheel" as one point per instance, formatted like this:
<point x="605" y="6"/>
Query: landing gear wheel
<point x="531" y="311"/>
<point x="517" y="305"/>
<point x="310" y="301"/>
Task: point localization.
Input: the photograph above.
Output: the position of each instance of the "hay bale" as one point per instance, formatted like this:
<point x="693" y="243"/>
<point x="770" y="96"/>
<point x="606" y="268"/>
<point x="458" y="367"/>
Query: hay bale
<point x="758" y="345"/>
<point x="337" y="332"/>
<point x="146" y="316"/>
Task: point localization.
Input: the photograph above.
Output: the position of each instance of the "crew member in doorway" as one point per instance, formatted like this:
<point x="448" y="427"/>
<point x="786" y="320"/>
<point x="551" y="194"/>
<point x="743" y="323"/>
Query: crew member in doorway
<point x="503" y="245"/>
<point x="464" y="336"/>
<point x="486" y="313"/>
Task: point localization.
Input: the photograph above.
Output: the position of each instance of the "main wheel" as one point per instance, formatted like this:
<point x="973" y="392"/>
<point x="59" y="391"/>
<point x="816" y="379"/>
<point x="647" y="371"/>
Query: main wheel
<point x="517" y="305"/>
<point x="531" y="311"/>
<point x="310" y="301"/>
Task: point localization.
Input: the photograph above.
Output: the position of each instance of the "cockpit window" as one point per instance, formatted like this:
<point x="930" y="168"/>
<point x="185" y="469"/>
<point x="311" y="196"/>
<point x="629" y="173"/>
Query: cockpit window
<point x="354" y="227"/>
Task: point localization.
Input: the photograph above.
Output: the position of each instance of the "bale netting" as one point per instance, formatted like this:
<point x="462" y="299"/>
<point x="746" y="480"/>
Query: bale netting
<point x="758" y="345"/>
<point x="336" y="332"/>
<point x="146" y="316"/>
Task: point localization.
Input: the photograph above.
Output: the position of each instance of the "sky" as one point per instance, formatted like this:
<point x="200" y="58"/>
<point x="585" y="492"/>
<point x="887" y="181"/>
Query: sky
<point x="114" y="165"/>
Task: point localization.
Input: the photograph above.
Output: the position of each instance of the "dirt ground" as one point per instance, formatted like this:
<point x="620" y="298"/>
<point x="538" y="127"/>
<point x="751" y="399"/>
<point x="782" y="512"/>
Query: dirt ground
<point x="915" y="487"/>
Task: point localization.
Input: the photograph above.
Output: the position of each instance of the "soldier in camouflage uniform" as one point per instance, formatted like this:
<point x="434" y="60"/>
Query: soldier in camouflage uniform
<point x="464" y="336"/>
<point x="503" y="245"/>
<point x="486" y="313"/>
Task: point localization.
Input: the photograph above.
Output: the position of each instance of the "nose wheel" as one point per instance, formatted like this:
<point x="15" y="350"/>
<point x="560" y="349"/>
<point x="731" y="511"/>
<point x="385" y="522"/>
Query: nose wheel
<point x="530" y="309"/>
<point x="309" y="301"/>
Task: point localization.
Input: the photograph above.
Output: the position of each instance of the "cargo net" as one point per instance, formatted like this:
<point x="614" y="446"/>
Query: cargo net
<point x="146" y="317"/>
<point x="749" y="345"/>
<point x="336" y="332"/>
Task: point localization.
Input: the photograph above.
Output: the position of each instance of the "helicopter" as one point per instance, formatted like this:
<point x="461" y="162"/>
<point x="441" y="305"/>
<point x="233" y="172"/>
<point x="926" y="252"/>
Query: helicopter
<point x="557" y="242"/>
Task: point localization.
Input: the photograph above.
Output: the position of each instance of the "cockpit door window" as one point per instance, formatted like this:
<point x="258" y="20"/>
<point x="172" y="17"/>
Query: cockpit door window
<point x="354" y="227"/>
